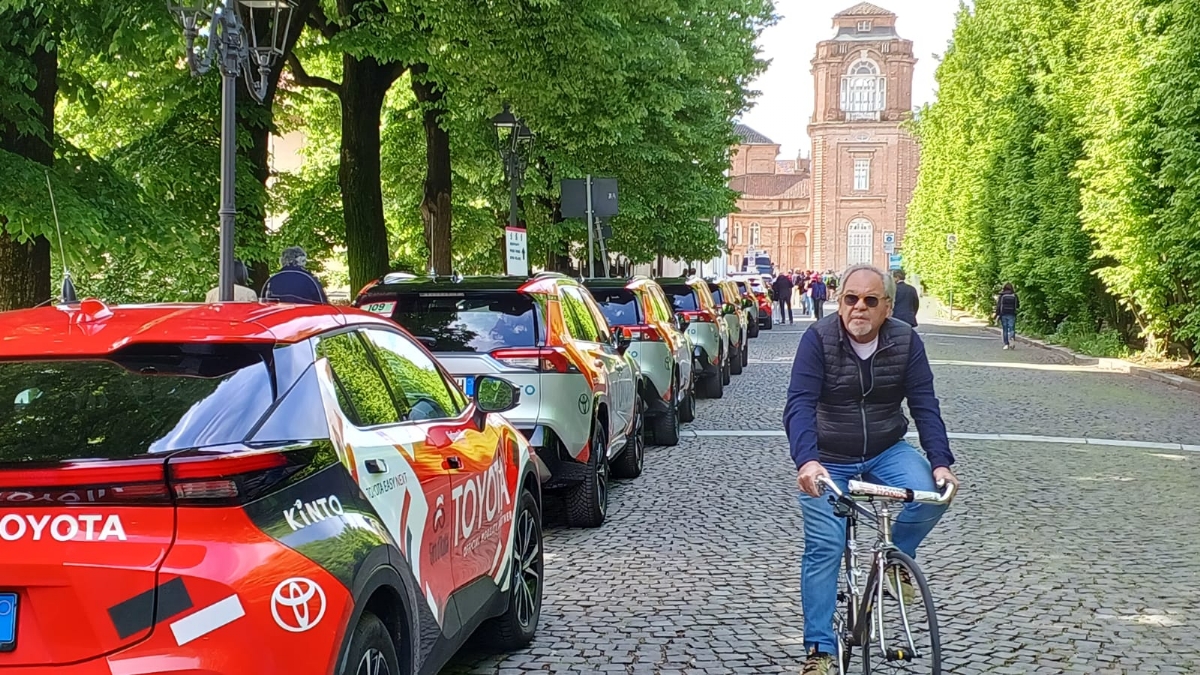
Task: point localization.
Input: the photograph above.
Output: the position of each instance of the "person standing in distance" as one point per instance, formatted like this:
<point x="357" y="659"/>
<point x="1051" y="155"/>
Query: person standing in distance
<point x="241" y="286"/>
<point x="293" y="282"/>
<point x="1006" y="312"/>
<point x="908" y="303"/>
<point x="820" y="293"/>
<point x="843" y="419"/>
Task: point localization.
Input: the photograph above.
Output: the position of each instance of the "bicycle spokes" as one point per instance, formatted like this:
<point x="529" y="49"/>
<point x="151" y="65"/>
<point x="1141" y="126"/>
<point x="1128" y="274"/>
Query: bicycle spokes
<point x="903" y="634"/>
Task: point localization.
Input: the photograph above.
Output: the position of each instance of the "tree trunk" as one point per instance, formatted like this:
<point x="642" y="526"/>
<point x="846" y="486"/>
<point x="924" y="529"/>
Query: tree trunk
<point x="436" y="203"/>
<point x="258" y="121"/>
<point x="364" y="85"/>
<point x="25" y="267"/>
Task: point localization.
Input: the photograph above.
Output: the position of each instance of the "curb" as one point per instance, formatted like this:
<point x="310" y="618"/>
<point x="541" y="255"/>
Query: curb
<point x="1113" y="365"/>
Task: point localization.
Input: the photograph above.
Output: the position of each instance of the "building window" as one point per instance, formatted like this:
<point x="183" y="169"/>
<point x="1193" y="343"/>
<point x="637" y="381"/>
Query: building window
<point x="864" y="91"/>
<point x="859" y="240"/>
<point x="862" y="174"/>
<point x="755" y="232"/>
<point x="864" y="26"/>
<point x="737" y="233"/>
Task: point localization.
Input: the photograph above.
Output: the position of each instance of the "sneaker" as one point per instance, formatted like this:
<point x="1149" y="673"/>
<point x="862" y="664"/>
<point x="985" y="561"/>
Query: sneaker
<point x="818" y="663"/>
<point x="907" y="591"/>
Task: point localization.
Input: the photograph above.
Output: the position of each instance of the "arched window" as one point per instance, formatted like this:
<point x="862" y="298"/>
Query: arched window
<point x="860" y="240"/>
<point x="737" y="233"/>
<point x="755" y="232"/>
<point x="864" y="91"/>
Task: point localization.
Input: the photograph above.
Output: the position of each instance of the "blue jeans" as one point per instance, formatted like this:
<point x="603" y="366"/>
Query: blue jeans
<point x="1008" y="326"/>
<point x="825" y="534"/>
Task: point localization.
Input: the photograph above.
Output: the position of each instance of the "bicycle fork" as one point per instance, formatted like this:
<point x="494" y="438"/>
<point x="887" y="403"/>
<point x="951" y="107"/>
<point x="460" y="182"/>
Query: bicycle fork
<point x="871" y="621"/>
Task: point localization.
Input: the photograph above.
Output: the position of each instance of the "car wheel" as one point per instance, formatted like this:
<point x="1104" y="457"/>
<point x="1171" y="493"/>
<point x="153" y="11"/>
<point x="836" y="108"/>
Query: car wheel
<point x="687" y="404"/>
<point x="714" y="385"/>
<point x="726" y="370"/>
<point x="754" y="328"/>
<point x="587" y="504"/>
<point x="518" y="624"/>
<point x="666" y="425"/>
<point x="736" y="361"/>
<point x="770" y="324"/>
<point x="746" y="355"/>
<point x="372" y="651"/>
<point x="633" y="457"/>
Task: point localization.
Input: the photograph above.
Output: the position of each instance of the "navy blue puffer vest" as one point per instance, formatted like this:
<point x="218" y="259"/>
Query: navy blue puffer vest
<point x="857" y="420"/>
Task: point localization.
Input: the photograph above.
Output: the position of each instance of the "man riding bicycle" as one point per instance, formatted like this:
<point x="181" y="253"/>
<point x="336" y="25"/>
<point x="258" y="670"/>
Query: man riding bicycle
<point x="843" y="419"/>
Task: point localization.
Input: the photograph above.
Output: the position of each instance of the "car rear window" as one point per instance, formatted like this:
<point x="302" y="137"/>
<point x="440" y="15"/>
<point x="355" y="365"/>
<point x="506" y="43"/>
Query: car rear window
<point x="716" y="293"/>
<point x="151" y="399"/>
<point x="741" y="285"/>
<point x="471" y="321"/>
<point x="683" y="298"/>
<point x="619" y="305"/>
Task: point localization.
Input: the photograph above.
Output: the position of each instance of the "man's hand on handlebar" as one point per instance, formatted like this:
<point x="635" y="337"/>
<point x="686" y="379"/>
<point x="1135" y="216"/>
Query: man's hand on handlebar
<point x="807" y="477"/>
<point x="943" y="476"/>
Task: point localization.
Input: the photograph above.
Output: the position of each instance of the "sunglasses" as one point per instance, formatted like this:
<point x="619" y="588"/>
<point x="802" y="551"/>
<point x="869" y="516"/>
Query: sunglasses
<point x="851" y="300"/>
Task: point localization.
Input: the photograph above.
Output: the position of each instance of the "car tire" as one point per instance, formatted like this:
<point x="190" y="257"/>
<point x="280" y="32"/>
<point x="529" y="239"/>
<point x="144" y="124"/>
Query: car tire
<point x="753" y="328"/>
<point x="746" y="355"/>
<point x="770" y="323"/>
<point x="587" y="504"/>
<point x="714" y="385"/>
<point x="687" y="405"/>
<point x="736" y="361"/>
<point x="372" y="650"/>
<point x="666" y="425"/>
<point x="516" y="627"/>
<point x="726" y="370"/>
<point x="631" y="460"/>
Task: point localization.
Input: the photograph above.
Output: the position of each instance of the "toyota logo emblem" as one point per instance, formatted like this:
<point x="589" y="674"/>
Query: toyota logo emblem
<point x="297" y="604"/>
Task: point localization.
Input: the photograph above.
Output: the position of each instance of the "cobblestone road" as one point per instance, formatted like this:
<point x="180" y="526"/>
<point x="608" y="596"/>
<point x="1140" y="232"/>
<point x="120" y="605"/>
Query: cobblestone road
<point x="1055" y="558"/>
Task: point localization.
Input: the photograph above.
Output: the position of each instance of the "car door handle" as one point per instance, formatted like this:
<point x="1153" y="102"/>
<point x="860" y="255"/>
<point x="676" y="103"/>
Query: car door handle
<point x="376" y="466"/>
<point x="452" y="463"/>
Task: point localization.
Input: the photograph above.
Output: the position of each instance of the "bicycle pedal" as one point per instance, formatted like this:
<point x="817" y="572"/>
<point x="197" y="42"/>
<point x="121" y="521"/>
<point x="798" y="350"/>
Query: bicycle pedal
<point x="905" y="655"/>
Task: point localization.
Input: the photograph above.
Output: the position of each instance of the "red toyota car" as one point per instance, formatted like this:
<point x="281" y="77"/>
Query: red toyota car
<point x="253" y="488"/>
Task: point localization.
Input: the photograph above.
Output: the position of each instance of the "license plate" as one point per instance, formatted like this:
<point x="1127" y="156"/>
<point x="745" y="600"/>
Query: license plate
<point x="467" y="384"/>
<point x="381" y="308"/>
<point x="8" y="621"/>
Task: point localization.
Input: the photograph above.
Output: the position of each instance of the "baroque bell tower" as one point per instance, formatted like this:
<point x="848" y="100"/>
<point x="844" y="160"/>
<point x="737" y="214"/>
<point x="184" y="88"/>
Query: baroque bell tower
<point x="864" y="164"/>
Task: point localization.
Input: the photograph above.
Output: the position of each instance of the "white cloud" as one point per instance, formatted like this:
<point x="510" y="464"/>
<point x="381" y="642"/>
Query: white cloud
<point x="785" y="105"/>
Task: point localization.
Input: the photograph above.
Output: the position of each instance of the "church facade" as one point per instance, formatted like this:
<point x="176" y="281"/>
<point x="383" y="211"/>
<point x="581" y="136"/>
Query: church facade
<point x="839" y="206"/>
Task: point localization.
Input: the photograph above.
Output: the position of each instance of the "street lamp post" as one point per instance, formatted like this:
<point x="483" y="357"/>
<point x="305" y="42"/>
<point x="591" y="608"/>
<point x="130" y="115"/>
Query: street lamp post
<point x="510" y="147"/>
<point x="240" y="37"/>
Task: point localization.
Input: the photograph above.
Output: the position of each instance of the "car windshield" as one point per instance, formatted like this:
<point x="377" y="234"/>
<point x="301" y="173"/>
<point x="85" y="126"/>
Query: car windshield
<point x="619" y="305"/>
<point x="716" y="293"/>
<point x="153" y="401"/>
<point x="471" y="321"/>
<point x="683" y="299"/>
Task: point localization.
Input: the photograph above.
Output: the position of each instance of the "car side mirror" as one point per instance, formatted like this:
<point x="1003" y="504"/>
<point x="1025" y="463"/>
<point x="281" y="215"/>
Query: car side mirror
<point x="623" y="339"/>
<point x="494" y="395"/>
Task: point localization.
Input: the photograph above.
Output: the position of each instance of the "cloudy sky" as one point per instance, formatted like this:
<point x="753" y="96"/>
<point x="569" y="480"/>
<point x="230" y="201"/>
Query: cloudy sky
<point x="785" y="105"/>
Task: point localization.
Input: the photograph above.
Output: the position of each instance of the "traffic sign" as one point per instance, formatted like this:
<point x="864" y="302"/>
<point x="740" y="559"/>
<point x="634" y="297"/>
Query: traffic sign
<point x="894" y="261"/>
<point x="951" y="241"/>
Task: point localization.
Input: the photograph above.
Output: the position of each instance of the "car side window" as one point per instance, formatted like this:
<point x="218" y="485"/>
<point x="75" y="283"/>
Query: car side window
<point x="662" y="306"/>
<point x="362" y="393"/>
<point x="580" y="322"/>
<point x="419" y="387"/>
<point x="593" y="307"/>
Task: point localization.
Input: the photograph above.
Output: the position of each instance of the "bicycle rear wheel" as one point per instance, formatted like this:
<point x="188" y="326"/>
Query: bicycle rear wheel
<point x="902" y="636"/>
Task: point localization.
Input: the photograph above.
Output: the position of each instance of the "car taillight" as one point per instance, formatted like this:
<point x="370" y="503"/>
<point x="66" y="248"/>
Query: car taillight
<point x="701" y="315"/>
<point x="643" y="333"/>
<point x="217" y="477"/>
<point x="545" y="360"/>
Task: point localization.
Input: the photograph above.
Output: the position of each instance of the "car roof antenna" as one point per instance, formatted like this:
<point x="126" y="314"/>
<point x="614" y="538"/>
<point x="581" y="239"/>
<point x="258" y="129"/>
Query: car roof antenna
<point x="68" y="287"/>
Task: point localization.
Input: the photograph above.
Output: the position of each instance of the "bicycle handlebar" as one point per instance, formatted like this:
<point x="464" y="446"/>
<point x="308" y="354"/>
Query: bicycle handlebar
<point x="860" y="489"/>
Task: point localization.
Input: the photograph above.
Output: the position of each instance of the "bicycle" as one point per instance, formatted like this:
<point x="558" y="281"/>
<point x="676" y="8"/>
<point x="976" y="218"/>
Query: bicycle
<point x="860" y="620"/>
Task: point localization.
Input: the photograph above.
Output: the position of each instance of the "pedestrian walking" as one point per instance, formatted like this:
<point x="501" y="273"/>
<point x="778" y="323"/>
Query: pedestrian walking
<point x="843" y="419"/>
<point x="1007" y="305"/>
<point x="783" y="291"/>
<point x="802" y="287"/>
<point x="293" y="282"/>
<point x="820" y="293"/>
<point x="241" y="286"/>
<point x="908" y="303"/>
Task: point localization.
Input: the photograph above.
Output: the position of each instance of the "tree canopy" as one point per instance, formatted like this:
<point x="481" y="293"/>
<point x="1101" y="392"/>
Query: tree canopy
<point x="1062" y="151"/>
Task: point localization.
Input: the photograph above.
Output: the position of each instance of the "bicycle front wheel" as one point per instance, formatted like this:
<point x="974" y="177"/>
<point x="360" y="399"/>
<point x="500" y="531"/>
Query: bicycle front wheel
<point x="903" y="633"/>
